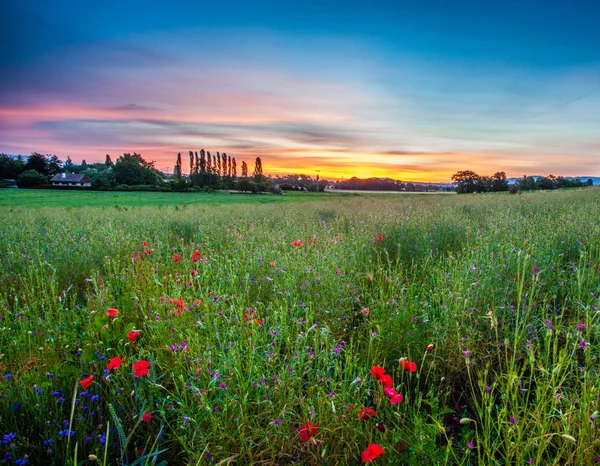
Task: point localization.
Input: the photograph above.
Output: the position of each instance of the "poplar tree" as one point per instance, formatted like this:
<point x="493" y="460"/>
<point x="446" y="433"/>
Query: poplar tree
<point x="202" y="163"/>
<point x="178" y="167"/>
<point x="258" y="170"/>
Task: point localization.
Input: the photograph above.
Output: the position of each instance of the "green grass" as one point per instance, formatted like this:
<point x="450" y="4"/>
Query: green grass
<point x="35" y="198"/>
<point x="258" y="336"/>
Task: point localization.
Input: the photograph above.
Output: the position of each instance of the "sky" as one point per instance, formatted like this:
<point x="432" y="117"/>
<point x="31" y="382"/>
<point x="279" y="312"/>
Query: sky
<point x="411" y="90"/>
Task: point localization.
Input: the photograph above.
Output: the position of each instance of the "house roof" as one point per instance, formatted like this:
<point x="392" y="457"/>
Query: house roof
<point x="69" y="178"/>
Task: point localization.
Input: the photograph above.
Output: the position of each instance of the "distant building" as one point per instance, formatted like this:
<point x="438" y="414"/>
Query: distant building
<point x="70" y="179"/>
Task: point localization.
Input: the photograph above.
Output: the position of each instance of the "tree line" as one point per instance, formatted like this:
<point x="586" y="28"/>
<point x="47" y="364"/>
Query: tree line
<point x="131" y="170"/>
<point x="470" y="182"/>
<point x="219" y="171"/>
<point x="386" y="184"/>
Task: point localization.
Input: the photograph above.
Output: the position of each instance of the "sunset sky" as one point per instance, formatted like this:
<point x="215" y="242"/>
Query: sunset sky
<point x="412" y="90"/>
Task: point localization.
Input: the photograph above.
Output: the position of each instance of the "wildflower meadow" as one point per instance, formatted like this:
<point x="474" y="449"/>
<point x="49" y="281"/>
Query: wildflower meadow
<point x="421" y="330"/>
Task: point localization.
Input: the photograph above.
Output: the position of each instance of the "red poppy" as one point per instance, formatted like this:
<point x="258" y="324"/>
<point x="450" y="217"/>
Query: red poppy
<point x="271" y="264"/>
<point x="141" y="368"/>
<point x="297" y="243"/>
<point x="408" y="366"/>
<point x="393" y="395"/>
<point x="112" y="312"/>
<point x="397" y="398"/>
<point x="307" y="431"/>
<point x="387" y="381"/>
<point x="176" y="258"/>
<point x="131" y="336"/>
<point x="195" y="257"/>
<point x="148" y="252"/>
<point x="313" y="240"/>
<point x="145" y="244"/>
<point x="377" y="372"/>
<point x="114" y="363"/>
<point x="429" y="347"/>
<point x="85" y="383"/>
<point x="379" y="238"/>
<point x="366" y="413"/>
<point x="372" y="452"/>
<point x="147" y="417"/>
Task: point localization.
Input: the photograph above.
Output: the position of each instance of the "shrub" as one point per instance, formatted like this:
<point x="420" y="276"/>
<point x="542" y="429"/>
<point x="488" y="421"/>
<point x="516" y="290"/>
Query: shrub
<point x="31" y="179"/>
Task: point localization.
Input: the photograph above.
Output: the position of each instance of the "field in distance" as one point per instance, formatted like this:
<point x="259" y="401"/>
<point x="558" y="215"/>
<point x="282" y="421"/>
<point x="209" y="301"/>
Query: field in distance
<point x="36" y="198"/>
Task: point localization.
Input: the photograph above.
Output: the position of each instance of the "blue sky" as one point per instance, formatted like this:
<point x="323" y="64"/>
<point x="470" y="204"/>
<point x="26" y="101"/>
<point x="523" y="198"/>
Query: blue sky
<point x="410" y="90"/>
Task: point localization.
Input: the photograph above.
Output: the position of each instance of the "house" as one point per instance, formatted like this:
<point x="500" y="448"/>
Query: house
<point x="70" y="179"/>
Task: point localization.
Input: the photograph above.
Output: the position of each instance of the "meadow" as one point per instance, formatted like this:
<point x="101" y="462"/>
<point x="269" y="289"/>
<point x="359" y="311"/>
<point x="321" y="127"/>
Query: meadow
<point x="421" y="330"/>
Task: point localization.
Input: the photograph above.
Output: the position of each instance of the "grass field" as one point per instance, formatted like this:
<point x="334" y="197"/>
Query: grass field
<point x="442" y="329"/>
<point x="35" y="198"/>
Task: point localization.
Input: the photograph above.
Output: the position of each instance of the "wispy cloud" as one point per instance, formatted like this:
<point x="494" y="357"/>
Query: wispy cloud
<point x="302" y="107"/>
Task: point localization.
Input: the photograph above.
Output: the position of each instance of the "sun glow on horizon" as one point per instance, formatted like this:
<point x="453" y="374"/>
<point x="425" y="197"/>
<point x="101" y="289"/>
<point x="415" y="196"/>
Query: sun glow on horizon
<point x="302" y="105"/>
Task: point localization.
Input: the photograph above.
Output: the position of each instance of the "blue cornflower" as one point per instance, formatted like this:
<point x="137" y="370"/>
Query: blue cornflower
<point x="8" y="376"/>
<point x="7" y="438"/>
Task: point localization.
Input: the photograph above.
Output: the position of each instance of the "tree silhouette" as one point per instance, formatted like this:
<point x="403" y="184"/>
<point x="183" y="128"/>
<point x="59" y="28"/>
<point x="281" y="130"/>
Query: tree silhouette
<point x="177" y="170"/>
<point x="54" y="164"/>
<point x="203" y="165"/>
<point x="258" y="170"/>
<point x="244" y="169"/>
<point x="466" y="181"/>
<point x="499" y="182"/>
<point x="68" y="165"/>
<point x="37" y="162"/>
